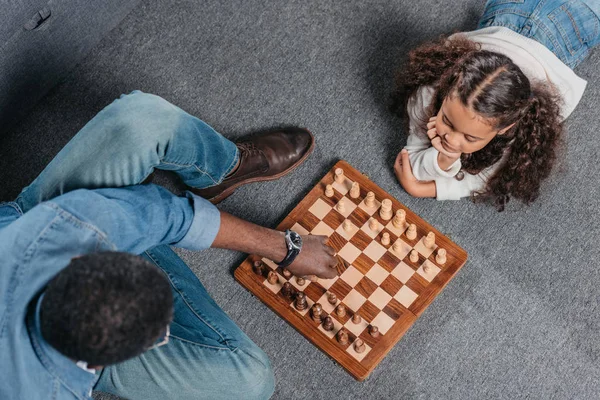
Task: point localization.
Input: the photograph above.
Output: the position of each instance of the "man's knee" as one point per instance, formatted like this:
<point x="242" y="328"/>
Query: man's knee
<point x="258" y="381"/>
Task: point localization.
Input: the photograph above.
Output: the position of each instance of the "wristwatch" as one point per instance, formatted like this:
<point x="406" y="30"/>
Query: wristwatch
<point x="293" y="242"/>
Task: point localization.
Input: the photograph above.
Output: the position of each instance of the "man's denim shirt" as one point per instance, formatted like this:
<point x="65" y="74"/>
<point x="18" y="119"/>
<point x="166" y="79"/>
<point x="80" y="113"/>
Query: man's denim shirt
<point x="36" y="245"/>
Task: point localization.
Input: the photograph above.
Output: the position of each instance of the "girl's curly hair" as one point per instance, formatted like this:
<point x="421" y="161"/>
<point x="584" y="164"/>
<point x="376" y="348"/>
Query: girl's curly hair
<point x="497" y="90"/>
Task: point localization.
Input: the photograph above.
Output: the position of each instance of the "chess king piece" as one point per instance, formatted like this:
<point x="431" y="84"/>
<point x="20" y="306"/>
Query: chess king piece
<point x="355" y="190"/>
<point x="272" y="277"/>
<point x="370" y="200"/>
<point x="373" y="331"/>
<point x="385" y="239"/>
<point x="411" y="232"/>
<point x="316" y="311"/>
<point x="287" y="274"/>
<point x="286" y="289"/>
<point x="300" y="302"/>
<point x="332" y="298"/>
<point x="399" y="219"/>
<point x="385" y="212"/>
<point x="300" y="280"/>
<point x="342" y="337"/>
<point x="346" y="225"/>
<point x="341" y="206"/>
<point x="414" y="256"/>
<point x="339" y="175"/>
<point x="359" y="346"/>
<point x="429" y="240"/>
<point x="340" y="311"/>
<point x="373" y="224"/>
<point x="328" y="323"/>
<point x="356" y="318"/>
<point x="440" y="257"/>
<point x="329" y="191"/>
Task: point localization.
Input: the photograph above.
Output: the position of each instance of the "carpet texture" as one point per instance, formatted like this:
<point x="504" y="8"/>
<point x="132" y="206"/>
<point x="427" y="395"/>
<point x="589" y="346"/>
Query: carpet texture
<point x="521" y="318"/>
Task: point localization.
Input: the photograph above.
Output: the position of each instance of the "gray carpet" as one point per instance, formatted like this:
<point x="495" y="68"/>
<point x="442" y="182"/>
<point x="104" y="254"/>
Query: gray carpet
<point x="521" y="318"/>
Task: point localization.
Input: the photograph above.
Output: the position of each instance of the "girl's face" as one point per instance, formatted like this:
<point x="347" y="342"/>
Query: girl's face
<point x="461" y="130"/>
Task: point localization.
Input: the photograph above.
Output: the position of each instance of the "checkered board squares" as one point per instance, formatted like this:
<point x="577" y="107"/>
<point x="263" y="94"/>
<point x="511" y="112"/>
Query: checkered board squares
<point x="378" y="282"/>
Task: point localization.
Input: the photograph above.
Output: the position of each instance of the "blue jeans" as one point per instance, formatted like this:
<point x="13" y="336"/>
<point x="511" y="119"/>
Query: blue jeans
<point x="208" y="356"/>
<point x="570" y="29"/>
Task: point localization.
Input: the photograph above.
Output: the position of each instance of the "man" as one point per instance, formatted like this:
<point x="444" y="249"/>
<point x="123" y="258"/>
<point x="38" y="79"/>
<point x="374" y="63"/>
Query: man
<point x="81" y="311"/>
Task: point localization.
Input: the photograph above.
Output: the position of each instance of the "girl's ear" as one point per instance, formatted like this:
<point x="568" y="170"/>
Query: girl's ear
<point x="503" y="131"/>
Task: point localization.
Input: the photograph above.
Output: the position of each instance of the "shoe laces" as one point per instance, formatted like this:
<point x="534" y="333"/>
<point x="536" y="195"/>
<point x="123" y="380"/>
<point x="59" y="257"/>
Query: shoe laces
<point x="249" y="147"/>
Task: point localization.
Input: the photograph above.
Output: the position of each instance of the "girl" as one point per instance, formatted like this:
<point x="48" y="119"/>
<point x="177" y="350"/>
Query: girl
<point x="485" y="108"/>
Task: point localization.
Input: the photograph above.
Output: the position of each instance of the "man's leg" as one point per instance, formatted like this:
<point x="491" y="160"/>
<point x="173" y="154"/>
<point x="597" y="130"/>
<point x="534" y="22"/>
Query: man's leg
<point x="207" y="357"/>
<point x="123" y="144"/>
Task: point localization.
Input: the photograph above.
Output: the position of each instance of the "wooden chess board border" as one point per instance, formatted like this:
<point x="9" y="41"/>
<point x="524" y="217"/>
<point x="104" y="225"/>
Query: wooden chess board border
<point x="456" y="258"/>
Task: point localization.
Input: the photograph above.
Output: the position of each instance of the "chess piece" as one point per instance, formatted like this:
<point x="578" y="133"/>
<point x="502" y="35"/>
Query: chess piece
<point x="426" y="268"/>
<point x="312" y="278"/>
<point x="359" y="346"/>
<point x="373" y="224"/>
<point x="397" y="246"/>
<point x="356" y="318"/>
<point x="370" y="200"/>
<point x="272" y="277"/>
<point x="300" y="280"/>
<point x="287" y="274"/>
<point x="329" y="191"/>
<point x="429" y="240"/>
<point x="286" y="289"/>
<point x="440" y="257"/>
<point x="373" y="331"/>
<point x="300" y="302"/>
<point x="339" y="175"/>
<point x="258" y="267"/>
<point x="347" y="225"/>
<point x="328" y="323"/>
<point x="411" y="232"/>
<point x="355" y="190"/>
<point x="385" y="212"/>
<point x="340" y="311"/>
<point x="399" y="219"/>
<point x="341" y="206"/>
<point x="414" y="256"/>
<point x="332" y="298"/>
<point x="342" y="338"/>
<point x="316" y="311"/>
<point x="385" y="239"/>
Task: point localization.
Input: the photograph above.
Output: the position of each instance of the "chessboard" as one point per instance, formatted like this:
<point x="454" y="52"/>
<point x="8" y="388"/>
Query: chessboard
<point x="392" y="265"/>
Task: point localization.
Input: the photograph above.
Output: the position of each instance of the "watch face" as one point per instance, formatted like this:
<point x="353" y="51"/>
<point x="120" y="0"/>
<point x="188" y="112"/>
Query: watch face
<point x="296" y="239"/>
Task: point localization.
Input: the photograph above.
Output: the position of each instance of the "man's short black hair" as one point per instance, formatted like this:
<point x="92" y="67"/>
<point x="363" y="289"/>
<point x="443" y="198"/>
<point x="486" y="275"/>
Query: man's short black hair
<point x="105" y="308"/>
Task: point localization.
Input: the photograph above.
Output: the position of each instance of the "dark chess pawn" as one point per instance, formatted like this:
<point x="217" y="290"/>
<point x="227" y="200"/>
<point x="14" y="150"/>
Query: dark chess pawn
<point x="286" y="289"/>
<point x="373" y="330"/>
<point x="258" y="267"/>
<point x="359" y="345"/>
<point x="272" y="277"/>
<point x="328" y="323"/>
<point x="342" y="338"/>
<point x="301" y="303"/>
<point x="356" y="319"/>
<point x="340" y="311"/>
<point x="332" y="298"/>
<point x="316" y="311"/>
<point x="300" y="281"/>
<point x="286" y="273"/>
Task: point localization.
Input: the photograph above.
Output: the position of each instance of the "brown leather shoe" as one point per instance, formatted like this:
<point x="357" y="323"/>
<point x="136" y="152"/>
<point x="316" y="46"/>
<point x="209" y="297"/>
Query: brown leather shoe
<point x="263" y="157"/>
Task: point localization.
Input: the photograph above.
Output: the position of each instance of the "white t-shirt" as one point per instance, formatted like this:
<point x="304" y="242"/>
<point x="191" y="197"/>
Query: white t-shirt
<point x="537" y="63"/>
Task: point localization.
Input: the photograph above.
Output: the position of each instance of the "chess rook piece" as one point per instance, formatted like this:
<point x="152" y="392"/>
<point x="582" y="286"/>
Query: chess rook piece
<point x="300" y="302"/>
<point x="385" y="239"/>
<point x="341" y="206"/>
<point x="258" y="267"/>
<point x="370" y="200"/>
<point x="385" y="212"/>
<point x="411" y="232"/>
<point x="440" y="257"/>
<point x="429" y="240"/>
<point x="339" y="175"/>
<point x="359" y="346"/>
<point x="272" y="277"/>
<point x="329" y="191"/>
<point x="286" y="289"/>
<point x="332" y="298"/>
<point x="356" y="318"/>
<point x="399" y="219"/>
<point x="300" y="280"/>
<point x="328" y="323"/>
<point x="342" y="338"/>
<point x="287" y="274"/>
<point x="346" y="225"/>
<point x="316" y="311"/>
<point x="373" y="331"/>
<point x="414" y="256"/>
<point x="340" y="311"/>
<point x="373" y="224"/>
<point x="355" y="190"/>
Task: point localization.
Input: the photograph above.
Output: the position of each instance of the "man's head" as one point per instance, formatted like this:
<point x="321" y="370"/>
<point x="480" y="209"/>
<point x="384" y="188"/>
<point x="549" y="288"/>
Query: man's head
<point x="105" y="308"/>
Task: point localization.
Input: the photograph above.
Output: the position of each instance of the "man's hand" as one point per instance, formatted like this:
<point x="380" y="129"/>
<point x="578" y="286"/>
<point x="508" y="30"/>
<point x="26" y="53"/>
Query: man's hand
<point x="407" y="179"/>
<point x="315" y="258"/>
<point x="445" y="158"/>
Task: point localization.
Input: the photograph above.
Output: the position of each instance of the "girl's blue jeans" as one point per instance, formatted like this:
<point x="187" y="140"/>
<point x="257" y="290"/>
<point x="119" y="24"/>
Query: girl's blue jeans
<point x="208" y="356"/>
<point x="570" y="29"/>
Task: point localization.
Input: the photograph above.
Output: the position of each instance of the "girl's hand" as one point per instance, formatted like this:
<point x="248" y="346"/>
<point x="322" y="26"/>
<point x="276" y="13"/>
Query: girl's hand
<point x="446" y="158"/>
<point x="407" y="179"/>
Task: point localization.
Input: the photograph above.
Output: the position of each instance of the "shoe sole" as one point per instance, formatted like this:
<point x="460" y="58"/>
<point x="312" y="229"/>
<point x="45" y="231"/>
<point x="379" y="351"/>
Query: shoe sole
<point x="229" y="191"/>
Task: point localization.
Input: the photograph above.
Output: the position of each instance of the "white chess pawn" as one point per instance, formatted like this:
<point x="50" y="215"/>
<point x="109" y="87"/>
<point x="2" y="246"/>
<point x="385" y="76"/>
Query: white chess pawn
<point x="399" y="219"/>
<point x="429" y="240"/>
<point x="373" y="224"/>
<point x="440" y="257"/>
<point x="370" y="200"/>
<point x="341" y="206"/>
<point x="411" y="232"/>
<point x="346" y="225"/>
<point x="355" y="190"/>
<point x="414" y="256"/>
<point x="329" y="191"/>
<point x="385" y="239"/>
